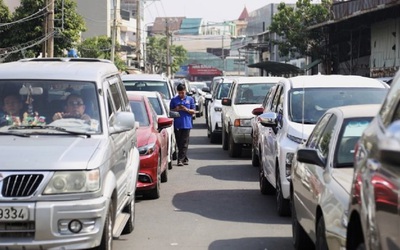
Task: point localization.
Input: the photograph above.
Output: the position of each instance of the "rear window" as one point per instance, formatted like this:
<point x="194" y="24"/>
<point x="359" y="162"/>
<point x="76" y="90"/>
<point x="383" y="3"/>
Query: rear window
<point x="155" y="102"/>
<point x="158" y="86"/>
<point x="252" y="93"/>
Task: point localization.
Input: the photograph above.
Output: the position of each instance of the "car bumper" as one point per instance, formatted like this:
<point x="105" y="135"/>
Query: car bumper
<point x="147" y="172"/>
<point x="47" y="227"/>
<point x="241" y="135"/>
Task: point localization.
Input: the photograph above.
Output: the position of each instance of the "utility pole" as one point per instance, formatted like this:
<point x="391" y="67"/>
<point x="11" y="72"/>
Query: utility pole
<point x="168" y="48"/>
<point x="138" y="33"/>
<point x="50" y="29"/>
<point x="113" y="31"/>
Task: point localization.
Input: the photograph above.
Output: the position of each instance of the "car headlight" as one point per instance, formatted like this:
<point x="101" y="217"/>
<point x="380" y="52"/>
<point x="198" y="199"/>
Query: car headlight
<point x="147" y="149"/>
<point x="73" y="182"/>
<point x="295" y="139"/>
<point x="217" y="109"/>
<point x="242" y="123"/>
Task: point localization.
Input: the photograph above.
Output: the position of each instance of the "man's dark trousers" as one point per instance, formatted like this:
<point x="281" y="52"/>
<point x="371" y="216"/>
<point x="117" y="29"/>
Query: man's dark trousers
<point x="182" y="140"/>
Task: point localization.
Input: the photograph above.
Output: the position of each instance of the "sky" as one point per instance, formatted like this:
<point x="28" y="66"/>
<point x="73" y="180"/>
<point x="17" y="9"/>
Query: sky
<point x="209" y="10"/>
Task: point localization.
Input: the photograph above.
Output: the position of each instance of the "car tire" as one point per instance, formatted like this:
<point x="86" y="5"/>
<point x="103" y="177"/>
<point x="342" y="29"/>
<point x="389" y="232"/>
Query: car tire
<point x="164" y="175"/>
<point x="214" y="138"/>
<point x="283" y="205"/>
<point x="234" y="149"/>
<point x="255" y="160"/>
<point x="321" y="243"/>
<point x="155" y="192"/>
<point x="130" y="209"/>
<point x="224" y="139"/>
<point x="106" y="242"/>
<point x="265" y="186"/>
<point x="300" y="238"/>
<point x="361" y="246"/>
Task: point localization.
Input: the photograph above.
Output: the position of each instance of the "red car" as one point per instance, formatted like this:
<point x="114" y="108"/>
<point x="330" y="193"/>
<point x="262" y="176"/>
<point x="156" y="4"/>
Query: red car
<point x="152" y="142"/>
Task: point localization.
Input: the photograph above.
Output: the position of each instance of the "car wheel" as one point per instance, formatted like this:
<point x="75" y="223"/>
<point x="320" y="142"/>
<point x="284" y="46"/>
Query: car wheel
<point x="234" y="149"/>
<point x="300" y="237"/>
<point x="283" y="205"/>
<point x="155" y="192"/>
<point x="164" y="175"/>
<point x="255" y="160"/>
<point x="361" y="246"/>
<point x="130" y="209"/>
<point x="214" y="138"/>
<point x="106" y="242"/>
<point x="265" y="186"/>
<point x="321" y="243"/>
<point x="208" y="130"/>
<point x="224" y="139"/>
<point x="170" y="165"/>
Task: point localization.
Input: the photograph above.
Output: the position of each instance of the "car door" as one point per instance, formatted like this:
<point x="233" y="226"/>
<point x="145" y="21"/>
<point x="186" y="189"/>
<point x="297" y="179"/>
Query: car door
<point x="309" y="182"/>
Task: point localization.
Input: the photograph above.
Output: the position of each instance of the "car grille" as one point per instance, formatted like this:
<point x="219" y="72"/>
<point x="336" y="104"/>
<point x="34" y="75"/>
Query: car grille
<point x="13" y="230"/>
<point x="21" y="185"/>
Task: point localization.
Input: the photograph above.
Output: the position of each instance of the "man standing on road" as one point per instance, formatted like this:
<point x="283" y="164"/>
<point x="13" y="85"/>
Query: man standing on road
<point x="186" y="107"/>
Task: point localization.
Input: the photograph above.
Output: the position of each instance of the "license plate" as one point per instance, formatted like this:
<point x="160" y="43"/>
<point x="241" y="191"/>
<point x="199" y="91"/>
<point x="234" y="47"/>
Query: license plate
<point x="14" y="214"/>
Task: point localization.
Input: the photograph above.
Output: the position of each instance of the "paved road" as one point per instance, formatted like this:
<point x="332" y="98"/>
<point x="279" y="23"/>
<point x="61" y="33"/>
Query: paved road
<point x="214" y="203"/>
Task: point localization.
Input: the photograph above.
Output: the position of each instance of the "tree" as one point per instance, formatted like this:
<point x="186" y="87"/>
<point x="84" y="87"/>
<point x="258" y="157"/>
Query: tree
<point x="293" y="26"/>
<point x="5" y="19"/>
<point x="26" y="35"/>
<point x="100" y="47"/>
<point x="156" y="52"/>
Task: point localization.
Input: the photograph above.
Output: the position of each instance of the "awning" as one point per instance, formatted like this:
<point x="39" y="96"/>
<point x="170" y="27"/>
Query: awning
<point x="312" y="64"/>
<point x="276" y="68"/>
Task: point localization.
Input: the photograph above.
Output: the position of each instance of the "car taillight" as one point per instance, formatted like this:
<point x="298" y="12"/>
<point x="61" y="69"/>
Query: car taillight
<point x="357" y="189"/>
<point x="385" y="192"/>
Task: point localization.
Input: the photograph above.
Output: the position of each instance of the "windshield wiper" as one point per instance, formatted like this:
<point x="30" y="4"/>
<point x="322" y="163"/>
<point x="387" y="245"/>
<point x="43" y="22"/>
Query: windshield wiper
<point x="61" y="129"/>
<point x="13" y="133"/>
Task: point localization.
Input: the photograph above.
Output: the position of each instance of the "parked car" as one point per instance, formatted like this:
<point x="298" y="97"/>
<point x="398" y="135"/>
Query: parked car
<point x="152" y="143"/>
<point x="159" y="105"/>
<point x="150" y="82"/>
<point x="290" y="115"/>
<point x="373" y="212"/>
<point x="198" y="96"/>
<point x="66" y="183"/>
<point x="322" y="171"/>
<point x="246" y="93"/>
<point x="155" y="83"/>
<point x="209" y="90"/>
<point x="214" y="124"/>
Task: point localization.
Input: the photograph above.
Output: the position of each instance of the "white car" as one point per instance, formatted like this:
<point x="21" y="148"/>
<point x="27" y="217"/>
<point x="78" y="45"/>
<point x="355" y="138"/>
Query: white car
<point x="290" y="114"/>
<point x="321" y="177"/>
<point x="245" y="94"/>
<point x="214" y="123"/>
<point x="162" y="110"/>
<point x="162" y="85"/>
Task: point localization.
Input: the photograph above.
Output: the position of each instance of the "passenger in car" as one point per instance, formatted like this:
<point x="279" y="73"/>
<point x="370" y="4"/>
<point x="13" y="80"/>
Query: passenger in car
<point x="74" y="108"/>
<point x="12" y="107"/>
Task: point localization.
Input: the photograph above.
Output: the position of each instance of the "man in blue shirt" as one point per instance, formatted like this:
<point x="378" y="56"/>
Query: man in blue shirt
<point x="186" y="107"/>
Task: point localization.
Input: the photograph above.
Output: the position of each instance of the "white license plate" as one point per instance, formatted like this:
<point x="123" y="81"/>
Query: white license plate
<point x="14" y="214"/>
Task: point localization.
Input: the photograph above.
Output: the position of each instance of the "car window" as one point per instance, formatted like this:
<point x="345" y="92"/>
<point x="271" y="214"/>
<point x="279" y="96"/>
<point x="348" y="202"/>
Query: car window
<point x="316" y="133"/>
<point x="349" y="135"/>
<point x="310" y="103"/>
<point x="325" y="139"/>
<point x="252" y="93"/>
<point x="158" y="86"/>
<point x="155" y="102"/>
<point x="141" y="116"/>
<point x="222" y="90"/>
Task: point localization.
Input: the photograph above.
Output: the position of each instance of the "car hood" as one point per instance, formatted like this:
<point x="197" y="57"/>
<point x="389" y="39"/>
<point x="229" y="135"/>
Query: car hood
<point x="300" y="130"/>
<point x="344" y="177"/>
<point x="143" y="136"/>
<point x="46" y="152"/>
<point x="244" y="110"/>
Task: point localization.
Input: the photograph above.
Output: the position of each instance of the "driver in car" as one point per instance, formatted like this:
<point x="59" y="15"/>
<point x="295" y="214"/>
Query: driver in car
<point x="75" y="108"/>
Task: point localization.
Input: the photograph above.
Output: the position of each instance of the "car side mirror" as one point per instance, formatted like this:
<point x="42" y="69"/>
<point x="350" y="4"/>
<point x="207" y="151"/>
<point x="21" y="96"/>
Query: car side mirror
<point x="309" y="156"/>
<point x="174" y="114"/>
<point x="269" y="119"/>
<point x="226" y="101"/>
<point x="257" y="111"/>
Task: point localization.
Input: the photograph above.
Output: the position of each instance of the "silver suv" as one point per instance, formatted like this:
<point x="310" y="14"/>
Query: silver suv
<point x="69" y="159"/>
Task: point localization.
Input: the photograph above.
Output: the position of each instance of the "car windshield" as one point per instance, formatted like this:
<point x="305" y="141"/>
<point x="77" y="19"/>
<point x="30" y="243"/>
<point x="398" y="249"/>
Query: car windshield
<point x="307" y="105"/>
<point x="40" y="106"/>
<point x="252" y="93"/>
<point x="351" y="132"/>
<point x="139" y="110"/>
<point x="223" y="90"/>
<point x="159" y="86"/>
<point x="155" y="102"/>
<point x="198" y="85"/>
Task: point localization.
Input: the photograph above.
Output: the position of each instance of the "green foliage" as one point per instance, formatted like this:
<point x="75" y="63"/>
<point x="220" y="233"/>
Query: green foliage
<point x="292" y="25"/>
<point x="100" y="47"/>
<point x="28" y="36"/>
<point x="156" y="52"/>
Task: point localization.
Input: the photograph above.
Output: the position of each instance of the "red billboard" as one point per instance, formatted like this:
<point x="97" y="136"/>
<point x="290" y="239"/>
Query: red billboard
<point x="203" y="70"/>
